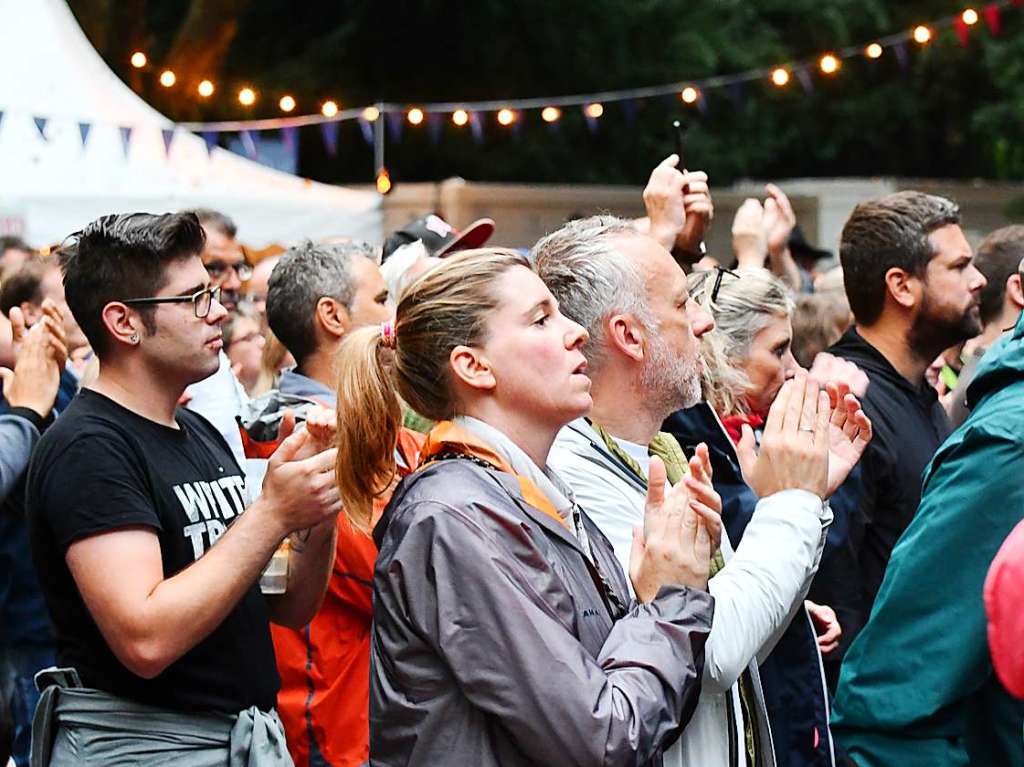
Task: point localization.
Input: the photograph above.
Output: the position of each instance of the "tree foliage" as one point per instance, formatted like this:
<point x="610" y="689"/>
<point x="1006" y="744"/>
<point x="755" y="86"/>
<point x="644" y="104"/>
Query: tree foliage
<point x="953" y="111"/>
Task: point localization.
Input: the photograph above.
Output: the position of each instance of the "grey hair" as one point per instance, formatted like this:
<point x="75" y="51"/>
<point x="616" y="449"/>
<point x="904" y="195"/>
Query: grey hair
<point x="397" y="268"/>
<point x="305" y="274"/>
<point x="744" y="306"/>
<point x="590" y="278"/>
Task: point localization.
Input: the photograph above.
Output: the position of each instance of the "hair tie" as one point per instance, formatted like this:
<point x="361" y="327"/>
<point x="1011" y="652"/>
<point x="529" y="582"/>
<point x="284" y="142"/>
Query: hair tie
<point x="387" y="335"/>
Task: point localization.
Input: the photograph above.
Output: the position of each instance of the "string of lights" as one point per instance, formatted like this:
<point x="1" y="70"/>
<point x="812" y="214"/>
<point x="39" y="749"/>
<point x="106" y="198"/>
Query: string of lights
<point x="509" y="111"/>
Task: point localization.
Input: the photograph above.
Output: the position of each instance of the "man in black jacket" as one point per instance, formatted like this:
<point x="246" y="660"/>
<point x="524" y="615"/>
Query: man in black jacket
<point x="914" y="291"/>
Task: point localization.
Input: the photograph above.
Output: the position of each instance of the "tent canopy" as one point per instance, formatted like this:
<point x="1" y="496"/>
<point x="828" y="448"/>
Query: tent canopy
<point x="57" y="89"/>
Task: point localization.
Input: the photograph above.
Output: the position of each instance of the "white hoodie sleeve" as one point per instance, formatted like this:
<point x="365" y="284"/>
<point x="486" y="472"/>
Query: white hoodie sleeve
<point x="764" y="582"/>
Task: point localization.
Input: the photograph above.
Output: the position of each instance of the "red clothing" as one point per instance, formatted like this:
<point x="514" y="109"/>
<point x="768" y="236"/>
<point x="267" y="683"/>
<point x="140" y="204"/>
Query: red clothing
<point x="1004" y="595"/>
<point x="325" y="666"/>
<point x="734" y="425"/>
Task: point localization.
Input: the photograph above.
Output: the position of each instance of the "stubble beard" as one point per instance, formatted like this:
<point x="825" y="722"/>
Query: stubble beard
<point x="671" y="382"/>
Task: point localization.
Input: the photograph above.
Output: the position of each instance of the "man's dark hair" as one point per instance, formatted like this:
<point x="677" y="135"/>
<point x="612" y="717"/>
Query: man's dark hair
<point x="214" y="219"/>
<point x="304" y="275"/>
<point x="889" y="233"/>
<point x="13" y="243"/>
<point x="24" y="284"/>
<point x="998" y="257"/>
<point x="123" y="256"/>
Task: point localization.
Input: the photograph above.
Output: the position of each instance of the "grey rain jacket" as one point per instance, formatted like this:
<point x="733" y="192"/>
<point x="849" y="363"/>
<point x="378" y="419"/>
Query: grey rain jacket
<point x="19" y="432"/>
<point x="493" y="644"/>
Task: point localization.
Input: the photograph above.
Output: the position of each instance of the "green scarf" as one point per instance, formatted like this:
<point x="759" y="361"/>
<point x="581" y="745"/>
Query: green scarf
<point x="667" y="448"/>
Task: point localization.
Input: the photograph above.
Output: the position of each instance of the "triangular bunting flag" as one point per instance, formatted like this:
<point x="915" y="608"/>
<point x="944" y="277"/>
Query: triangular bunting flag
<point x="476" y="127"/>
<point x="992" y="17"/>
<point x="83" y="131"/>
<point x="628" y="109"/>
<point x="41" y="126"/>
<point x="900" y="49"/>
<point x="126" y="138"/>
<point x="962" y="30"/>
<point x="366" y="128"/>
<point x="702" y="102"/>
<point x="435" y="124"/>
<point x="330" y="134"/>
<point x="168" y="134"/>
<point x="212" y="140"/>
<point x="250" y="143"/>
<point x="395" y="121"/>
<point x="290" y="139"/>
<point x="735" y="93"/>
<point x="804" y="76"/>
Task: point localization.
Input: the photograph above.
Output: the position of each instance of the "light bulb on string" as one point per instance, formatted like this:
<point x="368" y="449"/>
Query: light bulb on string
<point x="780" y="76"/>
<point x="205" y="89"/>
<point x="287" y="103"/>
<point x="370" y="114"/>
<point x="415" y="116"/>
<point x="139" y="59"/>
<point x="873" y="51"/>
<point x="593" y="111"/>
<point x="329" y="109"/>
<point x="383" y="181"/>
<point x="460" y="117"/>
<point x="247" y="97"/>
<point x="689" y="95"/>
<point x="550" y="114"/>
<point x="922" y="34"/>
<point x="829" y="64"/>
<point x="506" y="116"/>
<point x="168" y="78"/>
<point x="969" y="17"/>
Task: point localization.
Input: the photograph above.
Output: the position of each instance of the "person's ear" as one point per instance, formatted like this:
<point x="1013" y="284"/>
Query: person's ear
<point x="471" y="367"/>
<point x="31" y="312"/>
<point x="626" y="336"/>
<point x="332" y="316"/>
<point x="904" y="288"/>
<point x="1015" y="290"/>
<point x="124" y="325"/>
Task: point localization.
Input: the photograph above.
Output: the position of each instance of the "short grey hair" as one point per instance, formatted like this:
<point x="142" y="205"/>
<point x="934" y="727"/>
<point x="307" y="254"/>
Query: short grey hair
<point x="305" y="274"/>
<point x="590" y="278"/>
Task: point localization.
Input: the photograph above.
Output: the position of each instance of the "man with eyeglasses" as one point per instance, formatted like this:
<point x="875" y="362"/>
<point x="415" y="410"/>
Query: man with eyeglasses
<point x="146" y="547"/>
<point x="221" y="397"/>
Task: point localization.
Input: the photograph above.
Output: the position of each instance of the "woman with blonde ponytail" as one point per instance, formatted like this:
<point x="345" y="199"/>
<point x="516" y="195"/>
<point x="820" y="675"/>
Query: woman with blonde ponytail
<point x="503" y="632"/>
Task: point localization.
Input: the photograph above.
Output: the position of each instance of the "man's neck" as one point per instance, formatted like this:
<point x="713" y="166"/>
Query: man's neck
<point x="619" y="409"/>
<point x="139" y="390"/>
<point x="992" y="332"/>
<point x="891" y="342"/>
<point x="319" y="366"/>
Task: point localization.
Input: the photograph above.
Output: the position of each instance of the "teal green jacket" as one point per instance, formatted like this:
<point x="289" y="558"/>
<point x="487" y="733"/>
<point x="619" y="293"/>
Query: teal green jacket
<point x="917" y="687"/>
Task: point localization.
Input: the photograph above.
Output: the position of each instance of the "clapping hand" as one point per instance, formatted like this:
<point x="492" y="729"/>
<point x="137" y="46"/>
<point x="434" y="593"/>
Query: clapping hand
<point x="677" y="540"/>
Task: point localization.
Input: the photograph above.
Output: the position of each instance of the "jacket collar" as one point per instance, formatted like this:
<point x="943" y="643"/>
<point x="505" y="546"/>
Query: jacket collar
<point x="299" y="385"/>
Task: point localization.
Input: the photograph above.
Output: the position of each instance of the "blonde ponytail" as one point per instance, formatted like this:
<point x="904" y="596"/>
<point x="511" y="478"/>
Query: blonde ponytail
<point x="369" y="417"/>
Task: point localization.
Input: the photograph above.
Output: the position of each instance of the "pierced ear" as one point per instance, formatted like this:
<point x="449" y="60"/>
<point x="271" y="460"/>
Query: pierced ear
<point x="903" y="287"/>
<point x="333" y="316"/>
<point x="122" y="323"/>
<point x="471" y="368"/>
<point x="626" y="335"/>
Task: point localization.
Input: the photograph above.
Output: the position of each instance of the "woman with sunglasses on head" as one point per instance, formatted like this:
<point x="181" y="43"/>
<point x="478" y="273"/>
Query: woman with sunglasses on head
<point x="747" y="359"/>
<point x="503" y="632"/>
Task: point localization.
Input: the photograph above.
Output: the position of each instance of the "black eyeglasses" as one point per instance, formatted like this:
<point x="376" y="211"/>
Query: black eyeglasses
<point x="718" y="281"/>
<point x="217" y="269"/>
<point x="201" y="301"/>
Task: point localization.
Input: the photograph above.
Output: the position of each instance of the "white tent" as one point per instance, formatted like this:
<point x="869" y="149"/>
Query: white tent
<point x="52" y="186"/>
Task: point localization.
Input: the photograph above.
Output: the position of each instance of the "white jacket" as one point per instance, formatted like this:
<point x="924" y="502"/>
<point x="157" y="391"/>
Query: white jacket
<point x="756" y="594"/>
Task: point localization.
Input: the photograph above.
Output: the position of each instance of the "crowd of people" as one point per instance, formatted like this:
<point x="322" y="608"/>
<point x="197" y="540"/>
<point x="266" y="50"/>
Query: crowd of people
<point x="609" y="500"/>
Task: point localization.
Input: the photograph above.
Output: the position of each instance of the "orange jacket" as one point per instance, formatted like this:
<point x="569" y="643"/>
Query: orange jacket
<point x="325" y="666"/>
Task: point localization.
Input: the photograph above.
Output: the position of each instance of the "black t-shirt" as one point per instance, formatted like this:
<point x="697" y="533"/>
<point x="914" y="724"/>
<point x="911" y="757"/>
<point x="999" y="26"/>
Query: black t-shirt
<point x="101" y="467"/>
